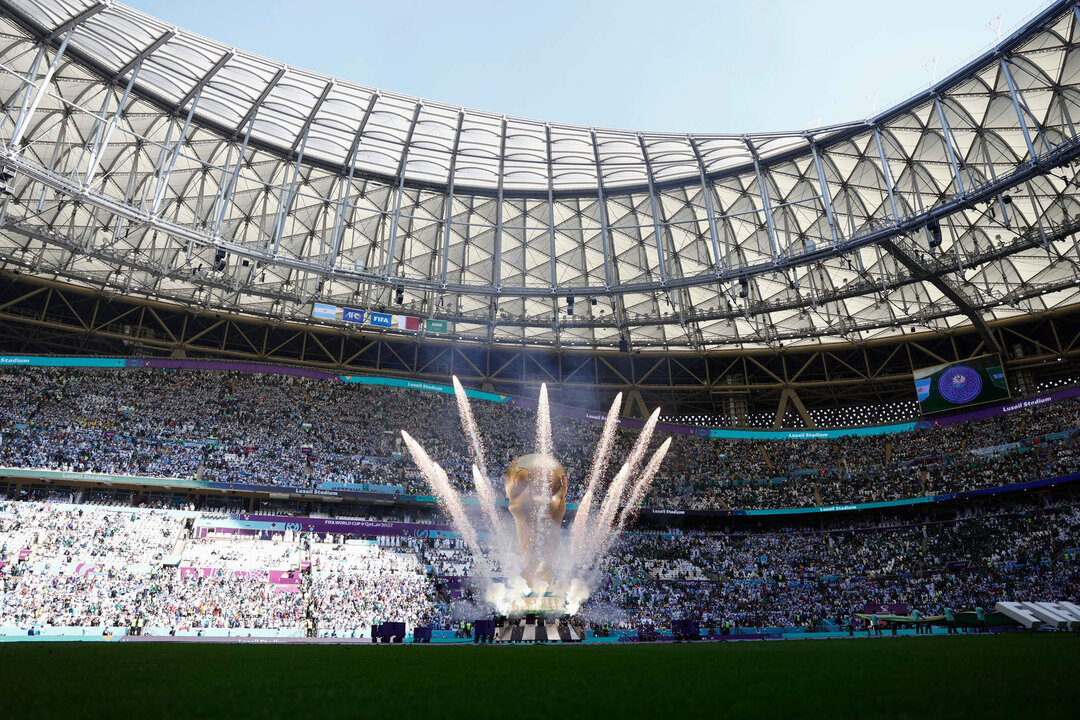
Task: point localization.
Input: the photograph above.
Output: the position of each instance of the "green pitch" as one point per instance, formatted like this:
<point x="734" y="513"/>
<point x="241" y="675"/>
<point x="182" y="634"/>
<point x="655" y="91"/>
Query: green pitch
<point x="1009" y="676"/>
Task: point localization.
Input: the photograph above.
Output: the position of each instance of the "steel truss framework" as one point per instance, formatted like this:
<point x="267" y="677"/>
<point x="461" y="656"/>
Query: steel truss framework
<point x="153" y="162"/>
<point x="41" y="316"/>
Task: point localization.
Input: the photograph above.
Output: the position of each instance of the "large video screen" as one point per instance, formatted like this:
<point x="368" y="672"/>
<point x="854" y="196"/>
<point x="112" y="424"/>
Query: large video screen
<point x="959" y="384"/>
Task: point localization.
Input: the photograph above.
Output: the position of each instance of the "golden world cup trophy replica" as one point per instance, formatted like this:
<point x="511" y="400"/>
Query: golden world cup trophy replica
<point x="536" y="491"/>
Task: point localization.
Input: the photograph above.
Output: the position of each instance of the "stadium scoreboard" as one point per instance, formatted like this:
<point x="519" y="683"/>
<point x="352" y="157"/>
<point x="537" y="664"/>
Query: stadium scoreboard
<point x="958" y="384"/>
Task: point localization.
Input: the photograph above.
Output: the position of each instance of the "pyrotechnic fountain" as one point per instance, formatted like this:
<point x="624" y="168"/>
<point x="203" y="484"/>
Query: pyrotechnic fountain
<point x="534" y="568"/>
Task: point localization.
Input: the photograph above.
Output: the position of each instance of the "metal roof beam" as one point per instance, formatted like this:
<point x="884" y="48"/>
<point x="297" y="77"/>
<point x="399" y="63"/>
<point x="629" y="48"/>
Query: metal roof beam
<point x="252" y="111"/>
<point x="285" y="200"/>
<point x="74" y="22"/>
<point x="193" y="97"/>
<point x="174" y="153"/>
<point x="938" y="280"/>
<point x="248" y="122"/>
<point x="229" y="185"/>
<point x="301" y="136"/>
<point x="26" y="87"/>
<point x="197" y="90"/>
<point x="145" y="53"/>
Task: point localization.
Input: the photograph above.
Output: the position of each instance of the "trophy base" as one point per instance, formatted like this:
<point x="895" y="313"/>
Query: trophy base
<point x="538" y="627"/>
<point x="548" y="604"/>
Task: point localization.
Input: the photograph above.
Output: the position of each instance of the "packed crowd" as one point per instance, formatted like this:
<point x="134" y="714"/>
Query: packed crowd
<point x="68" y="534"/>
<point x="94" y="567"/>
<point x="1022" y="550"/>
<point x="293" y="431"/>
<point x="353" y="586"/>
<point x="87" y="566"/>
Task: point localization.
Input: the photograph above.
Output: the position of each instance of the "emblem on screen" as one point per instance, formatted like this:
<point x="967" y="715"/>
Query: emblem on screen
<point x="960" y="384"/>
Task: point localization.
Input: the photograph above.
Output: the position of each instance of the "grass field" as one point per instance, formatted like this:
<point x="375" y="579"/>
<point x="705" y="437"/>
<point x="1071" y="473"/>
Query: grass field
<point x="1009" y="676"/>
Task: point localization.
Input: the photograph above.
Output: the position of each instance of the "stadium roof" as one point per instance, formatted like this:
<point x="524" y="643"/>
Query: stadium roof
<point x="151" y="161"/>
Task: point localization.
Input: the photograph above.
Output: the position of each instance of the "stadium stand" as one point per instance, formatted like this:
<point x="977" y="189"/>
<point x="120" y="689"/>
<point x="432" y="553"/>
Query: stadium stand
<point x="88" y="566"/>
<point x="85" y="566"/>
<point x="246" y="427"/>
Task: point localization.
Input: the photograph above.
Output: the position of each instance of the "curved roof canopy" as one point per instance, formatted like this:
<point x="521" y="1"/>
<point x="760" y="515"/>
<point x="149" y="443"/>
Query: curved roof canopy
<point x="151" y="161"/>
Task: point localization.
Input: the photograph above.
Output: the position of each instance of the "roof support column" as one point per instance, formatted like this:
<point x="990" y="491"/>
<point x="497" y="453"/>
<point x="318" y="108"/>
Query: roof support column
<point x="234" y="173"/>
<point x="801" y="409"/>
<point x="1038" y="212"/>
<point x="120" y="220"/>
<point x="147" y="191"/>
<point x="1068" y="118"/>
<point x="28" y="111"/>
<point x="945" y="133"/>
<point x="764" y="192"/>
<point x="655" y="211"/>
<point x="396" y="217"/>
<point x="993" y="179"/>
<point x="496" y="269"/>
<point x="26" y="87"/>
<point x="706" y="192"/>
<point x="61" y="138"/>
<point x="551" y="235"/>
<point x="781" y="409"/>
<point x="551" y="206"/>
<point x="95" y="159"/>
<point x="346" y="188"/>
<point x="193" y="97"/>
<point x="604" y="239"/>
<point x="1016" y="106"/>
<point x="94" y="135"/>
<point x="287" y="200"/>
<point x="340" y="205"/>
<point x="826" y="198"/>
<point x="163" y="180"/>
<point x="887" y="172"/>
<point x="247" y="122"/>
<point x="448" y="214"/>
